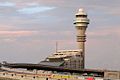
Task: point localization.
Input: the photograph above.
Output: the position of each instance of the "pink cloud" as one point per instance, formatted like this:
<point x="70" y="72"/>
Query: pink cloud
<point x="105" y="32"/>
<point x="8" y="32"/>
<point x="17" y="33"/>
<point x="4" y="27"/>
<point x="107" y="37"/>
<point x="55" y="33"/>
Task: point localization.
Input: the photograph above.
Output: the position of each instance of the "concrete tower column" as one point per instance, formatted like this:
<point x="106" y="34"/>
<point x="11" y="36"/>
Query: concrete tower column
<point x="81" y="24"/>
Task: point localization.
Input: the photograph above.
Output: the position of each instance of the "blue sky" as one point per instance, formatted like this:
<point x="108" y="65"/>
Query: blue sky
<point x="29" y="30"/>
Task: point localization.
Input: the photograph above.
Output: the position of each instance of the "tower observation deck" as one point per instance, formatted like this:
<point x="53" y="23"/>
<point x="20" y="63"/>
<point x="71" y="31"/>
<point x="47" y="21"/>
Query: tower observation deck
<point x="81" y="24"/>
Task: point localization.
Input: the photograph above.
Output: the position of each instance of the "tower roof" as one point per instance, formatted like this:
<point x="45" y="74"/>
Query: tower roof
<point x="81" y="12"/>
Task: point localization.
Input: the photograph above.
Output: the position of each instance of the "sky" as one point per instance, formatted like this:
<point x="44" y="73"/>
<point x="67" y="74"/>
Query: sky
<point x="29" y="30"/>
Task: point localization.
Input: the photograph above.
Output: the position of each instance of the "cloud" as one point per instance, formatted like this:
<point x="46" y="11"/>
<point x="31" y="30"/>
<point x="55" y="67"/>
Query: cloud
<point x="33" y="10"/>
<point x="105" y="32"/>
<point x="32" y="4"/>
<point x="6" y="4"/>
<point x="16" y="33"/>
<point x="47" y="2"/>
<point x="5" y="27"/>
<point x="105" y="38"/>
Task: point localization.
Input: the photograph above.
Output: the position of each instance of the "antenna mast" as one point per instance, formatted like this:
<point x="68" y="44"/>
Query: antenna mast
<point x="56" y="46"/>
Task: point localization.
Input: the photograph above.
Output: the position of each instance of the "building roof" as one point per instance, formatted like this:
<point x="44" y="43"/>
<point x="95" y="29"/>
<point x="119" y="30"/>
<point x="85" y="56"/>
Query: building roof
<point x="51" y="68"/>
<point x="57" y="64"/>
<point x="65" y="53"/>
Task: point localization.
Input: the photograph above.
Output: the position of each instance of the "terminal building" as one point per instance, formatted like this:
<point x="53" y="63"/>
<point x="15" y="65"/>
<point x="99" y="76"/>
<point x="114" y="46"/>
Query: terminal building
<point x="72" y="58"/>
<point x="65" y="58"/>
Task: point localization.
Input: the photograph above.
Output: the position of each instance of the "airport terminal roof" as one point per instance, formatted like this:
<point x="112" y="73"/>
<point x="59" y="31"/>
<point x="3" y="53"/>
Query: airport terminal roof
<point x="51" y="63"/>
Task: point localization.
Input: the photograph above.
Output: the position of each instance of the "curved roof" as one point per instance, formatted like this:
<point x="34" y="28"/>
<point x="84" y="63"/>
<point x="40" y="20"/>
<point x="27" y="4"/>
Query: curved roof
<point x="81" y="12"/>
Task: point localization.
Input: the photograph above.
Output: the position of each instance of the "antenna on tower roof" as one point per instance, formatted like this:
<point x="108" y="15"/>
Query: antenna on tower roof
<point x="56" y="47"/>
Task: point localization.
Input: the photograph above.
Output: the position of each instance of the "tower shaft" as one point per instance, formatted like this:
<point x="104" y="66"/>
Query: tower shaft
<point x="81" y="23"/>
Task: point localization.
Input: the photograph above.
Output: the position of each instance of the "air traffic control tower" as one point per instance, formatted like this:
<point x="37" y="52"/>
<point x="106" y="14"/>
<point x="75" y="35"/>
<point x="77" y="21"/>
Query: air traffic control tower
<point x="73" y="59"/>
<point x="81" y="24"/>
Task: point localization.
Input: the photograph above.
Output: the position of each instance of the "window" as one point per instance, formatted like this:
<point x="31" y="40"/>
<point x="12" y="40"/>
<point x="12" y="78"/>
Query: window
<point x="34" y="77"/>
<point x="46" y="78"/>
<point x="22" y="76"/>
<point x="3" y="73"/>
<point x="81" y="15"/>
